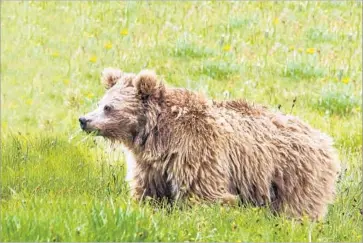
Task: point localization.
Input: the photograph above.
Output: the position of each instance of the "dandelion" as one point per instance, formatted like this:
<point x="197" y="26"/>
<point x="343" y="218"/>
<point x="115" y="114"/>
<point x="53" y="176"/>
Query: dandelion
<point x="29" y="102"/>
<point x="93" y="59"/>
<point x="66" y="81"/>
<point x="108" y="45"/>
<point x="310" y="50"/>
<point x="4" y="125"/>
<point x="291" y="48"/>
<point x="345" y="80"/>
<point x="300" y="49"/>
<point x="55" y="54"/>
<point x="275" y="21"/>
<point x="90" y="95"/>
<point x="356" y="109"/>
<point x="227" y="47"/>
<point x="124" y="32"/>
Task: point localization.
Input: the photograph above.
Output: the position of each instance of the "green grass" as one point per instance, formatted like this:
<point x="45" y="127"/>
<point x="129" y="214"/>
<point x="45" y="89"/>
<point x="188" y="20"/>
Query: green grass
<point x="58" y="184"/>
<point x="184" y="49"/>
<point x="303" y="71"/>
<point x="338" y="99"/>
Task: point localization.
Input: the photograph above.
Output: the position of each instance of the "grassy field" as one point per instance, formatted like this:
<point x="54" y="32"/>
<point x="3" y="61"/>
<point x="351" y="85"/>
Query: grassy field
<point x="57" y="184"/>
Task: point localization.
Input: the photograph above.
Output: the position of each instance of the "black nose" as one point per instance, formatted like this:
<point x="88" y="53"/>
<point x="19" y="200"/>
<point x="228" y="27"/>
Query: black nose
<point x="83" y="122"/>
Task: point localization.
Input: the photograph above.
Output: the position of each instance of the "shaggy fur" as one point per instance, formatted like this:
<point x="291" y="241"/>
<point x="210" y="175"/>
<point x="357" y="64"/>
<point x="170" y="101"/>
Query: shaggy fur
<point x="182" y="145"/>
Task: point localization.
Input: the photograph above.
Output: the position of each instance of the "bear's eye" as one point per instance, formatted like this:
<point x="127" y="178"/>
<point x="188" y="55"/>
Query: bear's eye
<point x="107" y="108"/>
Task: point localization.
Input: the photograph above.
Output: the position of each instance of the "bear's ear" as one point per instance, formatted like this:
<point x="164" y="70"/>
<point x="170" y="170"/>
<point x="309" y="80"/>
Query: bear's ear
<point x="110" y="76"/>
<point x="147" y="84"/>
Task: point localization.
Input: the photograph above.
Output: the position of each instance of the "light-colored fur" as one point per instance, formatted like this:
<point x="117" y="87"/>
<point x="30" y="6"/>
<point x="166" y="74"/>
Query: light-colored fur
<point x="130" y="165"/>
<point x="182" y="145"/>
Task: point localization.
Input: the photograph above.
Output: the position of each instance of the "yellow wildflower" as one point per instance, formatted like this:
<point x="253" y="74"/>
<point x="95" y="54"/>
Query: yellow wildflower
<point x="90" y="95"/>
<point x="357" y="109"/>
<point x="29" y="102"/>
<point x="66" y="81"/>
<point x="93" y="59"/>
<point x="310" y="50"/>
<point x="55" y="54"/>
<point x="124" y="32"/>
<point x="275" y="21"/>
<point x="345" y="80"/>
<point x="4" y="125"/>
<point x="227" y="47"/>
<point x="300" y="49"/>
<point x="108" y="45"/>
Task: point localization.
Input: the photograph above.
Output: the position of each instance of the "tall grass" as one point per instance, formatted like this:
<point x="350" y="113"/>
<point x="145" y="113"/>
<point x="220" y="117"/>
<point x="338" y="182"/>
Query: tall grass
<point x="58" y="184"/>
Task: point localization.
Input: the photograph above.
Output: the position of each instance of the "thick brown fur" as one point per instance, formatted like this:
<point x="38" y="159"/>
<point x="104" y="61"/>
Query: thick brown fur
<point x="182" y="145"/>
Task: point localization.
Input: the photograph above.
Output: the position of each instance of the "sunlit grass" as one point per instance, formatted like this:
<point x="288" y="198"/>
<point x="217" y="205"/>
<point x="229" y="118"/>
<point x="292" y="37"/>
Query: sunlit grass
<point x="340" y="99"/>
<point x="59" y="184"/>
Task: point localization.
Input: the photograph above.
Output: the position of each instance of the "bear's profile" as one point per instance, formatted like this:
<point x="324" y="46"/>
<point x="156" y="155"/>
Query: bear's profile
<point x="183" y="145"/>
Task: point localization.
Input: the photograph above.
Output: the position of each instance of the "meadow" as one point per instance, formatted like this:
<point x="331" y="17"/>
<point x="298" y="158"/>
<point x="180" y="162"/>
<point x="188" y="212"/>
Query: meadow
<point x="58" y="184"/>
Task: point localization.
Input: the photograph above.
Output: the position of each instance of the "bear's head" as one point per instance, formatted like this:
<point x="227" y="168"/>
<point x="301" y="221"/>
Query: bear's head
<point x="122" y="112"/>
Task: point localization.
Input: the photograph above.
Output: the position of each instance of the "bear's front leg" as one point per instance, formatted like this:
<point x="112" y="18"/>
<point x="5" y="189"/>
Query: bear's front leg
<point x="144" y="179"/>
<point x="149" y="182"/>
<point x="206" y="184"/>
<point x="134" y="176"/>
<point x="137" y="188"/>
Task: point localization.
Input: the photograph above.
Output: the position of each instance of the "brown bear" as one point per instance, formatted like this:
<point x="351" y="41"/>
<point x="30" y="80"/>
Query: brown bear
<point x="182" y="145"/>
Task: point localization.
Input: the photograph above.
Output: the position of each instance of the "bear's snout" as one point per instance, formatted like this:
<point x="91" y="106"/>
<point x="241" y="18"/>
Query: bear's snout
<point x="83" y="122"/>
